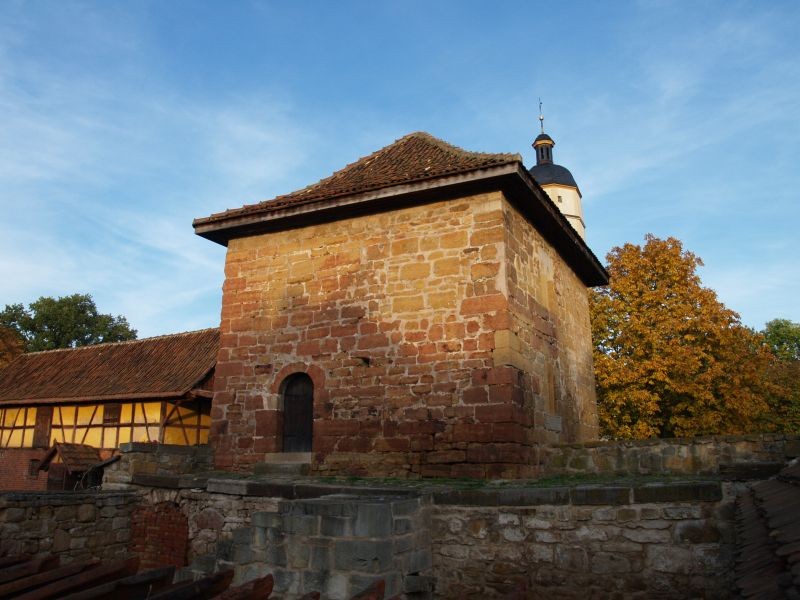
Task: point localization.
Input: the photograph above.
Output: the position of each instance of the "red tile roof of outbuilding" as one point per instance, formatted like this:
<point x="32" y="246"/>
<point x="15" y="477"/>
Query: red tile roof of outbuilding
<point x="164" y="366"/>
<point x="414" y="157"/>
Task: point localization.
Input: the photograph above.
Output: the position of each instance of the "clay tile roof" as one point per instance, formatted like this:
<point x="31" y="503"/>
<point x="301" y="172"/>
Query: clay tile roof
<point x="164" y="366"/>
<point x="415" y="157"/>
<point x="77" y="458"/>
<point x="768" y="528"/>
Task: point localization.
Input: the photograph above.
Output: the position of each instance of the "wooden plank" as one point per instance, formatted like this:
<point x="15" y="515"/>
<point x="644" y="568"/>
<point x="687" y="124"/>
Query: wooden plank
<point x="7" y="561"/>
<point x="28" y="568"/>
<point x="135" y="587"/>
<point x="257" y="589"/>
<point x="202" y="589"/>
<point x="101" y="574"/>
<point x="29" y="583"/>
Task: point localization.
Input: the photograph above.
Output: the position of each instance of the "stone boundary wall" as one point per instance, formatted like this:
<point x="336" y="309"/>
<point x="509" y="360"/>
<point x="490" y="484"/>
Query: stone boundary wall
<point x="72" y="525"/>
<point x="748" y="456"/>
<point x="139" y="458"/>
<point x="669" y="539"/>
<point x="602" y="542"/>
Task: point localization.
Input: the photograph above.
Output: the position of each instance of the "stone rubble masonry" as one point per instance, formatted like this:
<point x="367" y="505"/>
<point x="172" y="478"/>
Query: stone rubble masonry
<point x="338" y="545"/>
<point x="442" y="340"/>
<point x="600" y="545"/>
<point x="629" y="540"/>
<point x="747" y="456"/>
<point x="72" y="525"/>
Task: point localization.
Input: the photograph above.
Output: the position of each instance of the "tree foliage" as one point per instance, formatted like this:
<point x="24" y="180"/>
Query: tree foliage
<point x="670" y="358"/>
<point x="783" y="337"/>
<point x="64" y="322"/>
<point x="11" y="345"/>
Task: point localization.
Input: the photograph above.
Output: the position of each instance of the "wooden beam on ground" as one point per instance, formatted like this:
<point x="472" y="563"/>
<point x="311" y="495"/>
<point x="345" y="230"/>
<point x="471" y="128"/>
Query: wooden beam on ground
<point x="90" y="578"/>
<point x="7" y="561"/>
<point x="257" y="589"/>
<point x="135" y="587"/>
<point x="202" y="589"/>
<point x="25" y="584"/>
<point x="373" y="592"/>
<point x="29" y="567"/>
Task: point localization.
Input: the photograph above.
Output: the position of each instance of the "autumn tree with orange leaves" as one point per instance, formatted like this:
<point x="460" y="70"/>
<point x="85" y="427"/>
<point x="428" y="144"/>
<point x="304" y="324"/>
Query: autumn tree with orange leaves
<point x="670" y="359"/>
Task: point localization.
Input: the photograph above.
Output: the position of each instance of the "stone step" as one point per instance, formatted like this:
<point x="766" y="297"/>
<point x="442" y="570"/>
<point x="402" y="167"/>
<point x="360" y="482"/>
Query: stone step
<point x="286" y="469"/>
<point x="287" y="457"/>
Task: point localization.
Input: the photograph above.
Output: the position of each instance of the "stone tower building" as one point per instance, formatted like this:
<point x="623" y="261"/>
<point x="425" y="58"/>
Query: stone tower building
<point x="558" y="182"/>
<point x="423" y="311"/>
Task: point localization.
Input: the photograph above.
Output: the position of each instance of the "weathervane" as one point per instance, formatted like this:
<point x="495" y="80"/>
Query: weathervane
<point x="541" y="116"/>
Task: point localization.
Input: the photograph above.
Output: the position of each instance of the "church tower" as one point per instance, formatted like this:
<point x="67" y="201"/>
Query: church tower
<point x="556" y="180"/>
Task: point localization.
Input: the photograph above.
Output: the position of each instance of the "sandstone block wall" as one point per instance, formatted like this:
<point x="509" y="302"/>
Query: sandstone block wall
<point x="155" y="460"/>
<point x="550" y="338"/>
<point x="73" y="525"/>
<point x="430" y="352"/>
<point x="338" y="545"/>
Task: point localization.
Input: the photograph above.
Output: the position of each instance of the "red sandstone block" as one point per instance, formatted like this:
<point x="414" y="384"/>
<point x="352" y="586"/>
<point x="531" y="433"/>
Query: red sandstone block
<point x="311" y="348"/>
<point x="353" y="312"/>
<point x="474" y="395"/>
<point x="267" y="422"/>
<point x="442" y="470"/>
<point x="494" y="413"/>
<point x="454" y="330"/>
<point x="508" y="432"/>
<point x="392" y="444"/>
<point x="355" y="444"/>
<point x="378" y="340"/>
<point x="228" y="369"/>
<point x="343" y="330"/>
<point x="336" y="427"/>
<point x="501" y="393"/>
<point x="468" y="470"/>
<point x="421" y="442"/>
<point x="486" y="341"/>
<point x="473" y="432"/>
<point x="445" y="456"/>
<point x="478" y="305"/>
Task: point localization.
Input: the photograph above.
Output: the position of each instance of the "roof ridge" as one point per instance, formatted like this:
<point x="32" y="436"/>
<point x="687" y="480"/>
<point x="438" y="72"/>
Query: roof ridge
<point x="458" y="149"/>
<point x="307" y="193"/>
<point x="136" y="341"/>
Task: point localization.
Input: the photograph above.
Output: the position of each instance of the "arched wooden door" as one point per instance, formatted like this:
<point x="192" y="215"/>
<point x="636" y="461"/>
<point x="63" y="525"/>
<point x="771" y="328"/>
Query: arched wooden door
<point x="298" y="413"/>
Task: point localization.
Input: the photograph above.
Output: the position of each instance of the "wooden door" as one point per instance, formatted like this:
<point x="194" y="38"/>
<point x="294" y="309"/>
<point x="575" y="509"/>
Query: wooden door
<point x="298" y="413"/>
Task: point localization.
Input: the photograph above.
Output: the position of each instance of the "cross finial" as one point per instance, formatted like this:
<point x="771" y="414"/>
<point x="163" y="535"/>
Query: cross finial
<point x="541" y="116"/>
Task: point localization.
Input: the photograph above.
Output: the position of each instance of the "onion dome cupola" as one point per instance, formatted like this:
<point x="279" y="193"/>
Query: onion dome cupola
<point x="556" y="180"/>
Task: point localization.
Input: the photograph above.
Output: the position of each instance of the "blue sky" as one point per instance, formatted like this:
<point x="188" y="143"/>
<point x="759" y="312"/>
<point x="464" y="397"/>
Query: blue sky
<point x="123" y="121"/>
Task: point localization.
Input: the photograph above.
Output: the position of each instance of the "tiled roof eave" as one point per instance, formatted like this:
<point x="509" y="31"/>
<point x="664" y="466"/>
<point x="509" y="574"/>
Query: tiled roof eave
<point x="220" y="228"/>
<point x="160" y="395"/>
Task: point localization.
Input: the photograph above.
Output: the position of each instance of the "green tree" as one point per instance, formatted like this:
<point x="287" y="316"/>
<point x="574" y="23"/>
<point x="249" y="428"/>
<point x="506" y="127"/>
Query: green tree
<point x="670" y="359"/>
<point x="64" y="322"/>
<point x="783" y="337"/>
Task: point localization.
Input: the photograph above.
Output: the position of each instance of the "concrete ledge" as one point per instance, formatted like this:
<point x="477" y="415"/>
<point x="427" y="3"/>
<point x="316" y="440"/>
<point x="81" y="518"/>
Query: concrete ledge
<point x="600" y="495"/>
<point x="153" y="448"/>
<point x="678" y="492"/>
<point x="578" y="495"/>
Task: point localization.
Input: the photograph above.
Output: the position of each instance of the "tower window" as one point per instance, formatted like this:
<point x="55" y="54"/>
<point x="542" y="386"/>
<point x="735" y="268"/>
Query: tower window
<point x="560" y="199"/>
